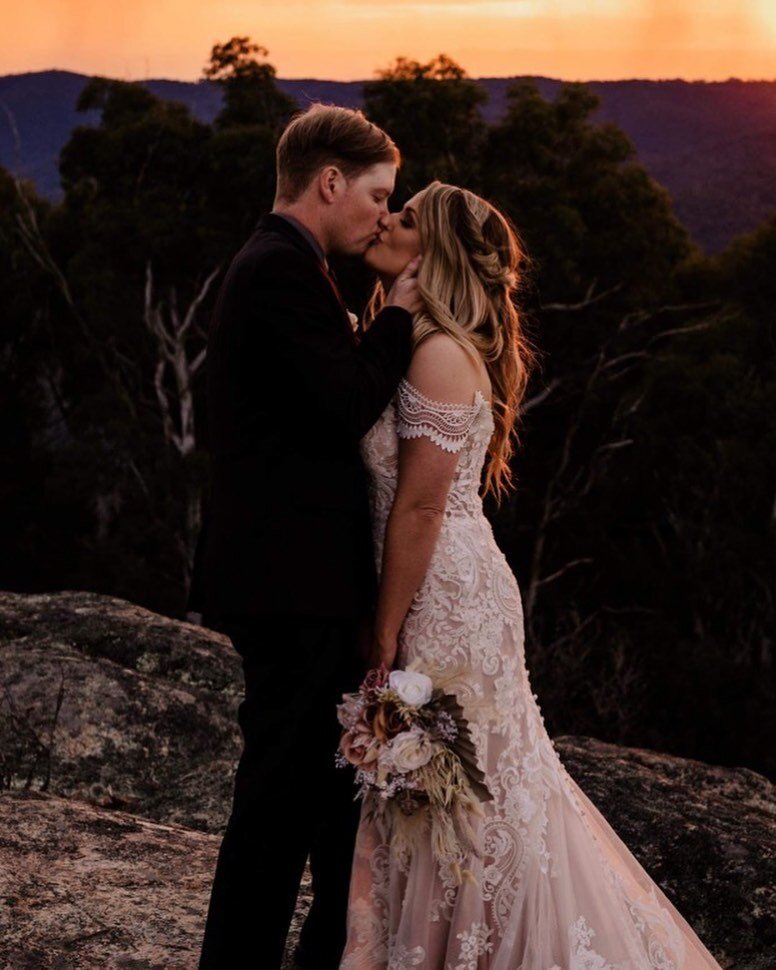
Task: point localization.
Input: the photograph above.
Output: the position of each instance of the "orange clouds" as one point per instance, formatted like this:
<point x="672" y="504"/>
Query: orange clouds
<point x="349" y="39"/>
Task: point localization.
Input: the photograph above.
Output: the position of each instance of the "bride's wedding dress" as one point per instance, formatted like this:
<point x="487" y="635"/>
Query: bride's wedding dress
<point x="556" y="888"/>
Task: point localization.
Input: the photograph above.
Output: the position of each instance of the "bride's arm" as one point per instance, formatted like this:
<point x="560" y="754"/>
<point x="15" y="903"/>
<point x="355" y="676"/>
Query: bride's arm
<point x="443" y="373"/>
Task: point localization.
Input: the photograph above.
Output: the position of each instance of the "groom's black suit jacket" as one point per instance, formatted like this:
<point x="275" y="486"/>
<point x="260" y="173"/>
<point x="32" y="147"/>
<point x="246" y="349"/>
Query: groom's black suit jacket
<point x="290" y="391"/>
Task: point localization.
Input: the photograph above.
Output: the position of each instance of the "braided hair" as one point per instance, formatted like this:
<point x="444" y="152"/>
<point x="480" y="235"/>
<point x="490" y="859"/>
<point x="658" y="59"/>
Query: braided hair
<point x="473" y="265"/>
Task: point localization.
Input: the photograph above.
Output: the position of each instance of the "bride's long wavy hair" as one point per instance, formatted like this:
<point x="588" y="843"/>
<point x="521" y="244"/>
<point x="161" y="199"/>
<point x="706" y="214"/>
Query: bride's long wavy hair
<point x="473" y="264"/>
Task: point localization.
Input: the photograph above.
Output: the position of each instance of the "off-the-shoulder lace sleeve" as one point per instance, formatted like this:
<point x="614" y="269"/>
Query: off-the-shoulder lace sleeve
<point x="446" y="423"/>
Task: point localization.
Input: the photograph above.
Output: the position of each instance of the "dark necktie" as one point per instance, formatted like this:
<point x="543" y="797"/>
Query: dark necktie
<point x="334" y="285"/>
<point x="357" y="334"/>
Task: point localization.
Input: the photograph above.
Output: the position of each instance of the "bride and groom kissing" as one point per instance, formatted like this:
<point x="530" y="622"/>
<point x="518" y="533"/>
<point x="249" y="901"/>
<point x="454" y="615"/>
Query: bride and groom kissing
<point x="285" y="564"/>
<point x="345" y="531"/>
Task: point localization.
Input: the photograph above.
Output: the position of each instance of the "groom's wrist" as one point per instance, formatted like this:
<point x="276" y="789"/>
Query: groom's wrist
<point x="394" y="313"/>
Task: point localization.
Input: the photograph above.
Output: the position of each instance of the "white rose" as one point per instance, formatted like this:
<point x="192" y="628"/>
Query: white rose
<point x="412" y="687"/>
<point x="411" y="749"/>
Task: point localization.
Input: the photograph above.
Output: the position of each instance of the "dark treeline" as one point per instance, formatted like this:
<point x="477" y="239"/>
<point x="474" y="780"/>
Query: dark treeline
<point x="641" y="530"/>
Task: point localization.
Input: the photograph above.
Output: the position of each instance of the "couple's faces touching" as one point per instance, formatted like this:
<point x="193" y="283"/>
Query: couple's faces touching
<point x="356" y="207"/>
<point x="398" y="243"/>
<point x="362" y="223"/>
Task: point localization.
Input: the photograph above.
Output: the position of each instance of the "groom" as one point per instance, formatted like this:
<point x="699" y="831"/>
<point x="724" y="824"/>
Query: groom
<point x="285" y="564"/>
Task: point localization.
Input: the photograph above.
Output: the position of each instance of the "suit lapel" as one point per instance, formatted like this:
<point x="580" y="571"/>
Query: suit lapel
<point x="277" y="224"/>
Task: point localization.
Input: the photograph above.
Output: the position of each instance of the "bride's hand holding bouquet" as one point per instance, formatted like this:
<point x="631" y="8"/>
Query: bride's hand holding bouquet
<point x="415" y="761"/>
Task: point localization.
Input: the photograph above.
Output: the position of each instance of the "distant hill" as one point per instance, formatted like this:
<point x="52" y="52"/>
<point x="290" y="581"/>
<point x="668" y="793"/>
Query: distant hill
<point x="711" y="144"/>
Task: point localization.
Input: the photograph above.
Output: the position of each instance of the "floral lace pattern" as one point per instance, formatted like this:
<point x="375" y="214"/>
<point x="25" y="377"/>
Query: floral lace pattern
<point x="554" y="878"/>
<point x="446" y="424"/>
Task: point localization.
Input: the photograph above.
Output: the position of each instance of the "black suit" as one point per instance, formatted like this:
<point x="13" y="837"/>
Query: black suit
<point x="290" y="393"/>
<point x="285" y="566"/>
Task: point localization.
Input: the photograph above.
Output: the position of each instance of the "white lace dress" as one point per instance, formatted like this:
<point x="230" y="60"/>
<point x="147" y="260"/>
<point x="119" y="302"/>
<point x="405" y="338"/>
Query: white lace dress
<point x="556" y="888"/>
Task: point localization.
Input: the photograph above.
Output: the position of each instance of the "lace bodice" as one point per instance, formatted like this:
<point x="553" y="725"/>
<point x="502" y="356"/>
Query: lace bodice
<point x="462" y="428"/>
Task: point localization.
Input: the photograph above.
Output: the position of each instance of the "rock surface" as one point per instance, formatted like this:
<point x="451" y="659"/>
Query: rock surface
<point x="107" y="702"/>
<point x="86" y="887"/>
<point x="118" y="743"/>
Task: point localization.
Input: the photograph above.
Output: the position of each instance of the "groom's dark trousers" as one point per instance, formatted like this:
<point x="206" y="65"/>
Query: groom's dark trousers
<point x="285" y="567"/>
<point x="290" y="799"/>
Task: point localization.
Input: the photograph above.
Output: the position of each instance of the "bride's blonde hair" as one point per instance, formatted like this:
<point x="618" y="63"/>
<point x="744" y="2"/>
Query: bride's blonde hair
<point x="473" y="264"/>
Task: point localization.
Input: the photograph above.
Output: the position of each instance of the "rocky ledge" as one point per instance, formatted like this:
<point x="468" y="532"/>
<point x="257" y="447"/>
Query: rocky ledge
<point x="118" y="743"/>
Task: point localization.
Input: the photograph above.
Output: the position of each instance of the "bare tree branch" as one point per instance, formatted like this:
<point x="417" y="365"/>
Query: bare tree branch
<point x="175" y="398"/>
<point x="588" y="300"/>
<point x="562" y="570"/>
<point x="34" y="242"/>
<point x="565" y="486"/>
<point x="541" y="396"/>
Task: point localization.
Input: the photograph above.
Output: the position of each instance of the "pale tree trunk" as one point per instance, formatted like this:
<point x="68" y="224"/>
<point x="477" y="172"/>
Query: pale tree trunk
<point x="174" y="373"/>
<point x="174" y="376"/>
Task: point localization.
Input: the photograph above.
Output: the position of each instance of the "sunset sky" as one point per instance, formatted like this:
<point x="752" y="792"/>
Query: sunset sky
<point x="347" y="40"/>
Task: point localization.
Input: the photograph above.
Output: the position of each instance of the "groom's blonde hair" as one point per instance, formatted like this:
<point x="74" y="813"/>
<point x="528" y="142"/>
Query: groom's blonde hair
<point x="328" y="135"/>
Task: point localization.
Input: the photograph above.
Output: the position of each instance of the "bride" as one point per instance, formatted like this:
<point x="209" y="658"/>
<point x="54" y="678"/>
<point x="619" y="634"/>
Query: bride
<point x="553" y="887"/>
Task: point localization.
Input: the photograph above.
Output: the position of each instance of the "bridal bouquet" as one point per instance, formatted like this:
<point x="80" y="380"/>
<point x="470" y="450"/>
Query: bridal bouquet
<point x="415" y="761"/>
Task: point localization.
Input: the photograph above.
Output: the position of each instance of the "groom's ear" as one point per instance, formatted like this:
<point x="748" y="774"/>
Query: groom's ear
<point x="331" y="183"/>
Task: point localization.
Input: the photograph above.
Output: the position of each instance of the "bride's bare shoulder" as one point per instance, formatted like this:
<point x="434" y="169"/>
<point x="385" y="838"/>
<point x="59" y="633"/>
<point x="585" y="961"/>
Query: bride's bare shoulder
<point x="445" y="371"/>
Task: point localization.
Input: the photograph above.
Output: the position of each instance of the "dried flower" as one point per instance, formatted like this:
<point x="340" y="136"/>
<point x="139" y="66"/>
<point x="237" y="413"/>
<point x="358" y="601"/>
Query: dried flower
<point x="359" y="749"/>
<point x="387" y="720"/>
<point x="416" y="761"/>
<point x="411" y="750"/>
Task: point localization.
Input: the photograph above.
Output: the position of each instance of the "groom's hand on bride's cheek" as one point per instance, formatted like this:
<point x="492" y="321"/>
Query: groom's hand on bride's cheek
<point x="405" y="292"/>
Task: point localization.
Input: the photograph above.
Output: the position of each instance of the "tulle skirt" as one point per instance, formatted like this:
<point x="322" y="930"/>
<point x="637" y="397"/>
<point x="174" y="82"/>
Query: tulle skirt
<point x="553" y="888"/>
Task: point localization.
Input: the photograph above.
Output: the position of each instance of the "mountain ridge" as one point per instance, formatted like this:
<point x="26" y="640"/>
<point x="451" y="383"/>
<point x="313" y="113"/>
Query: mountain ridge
<point x="691" y="136"/>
